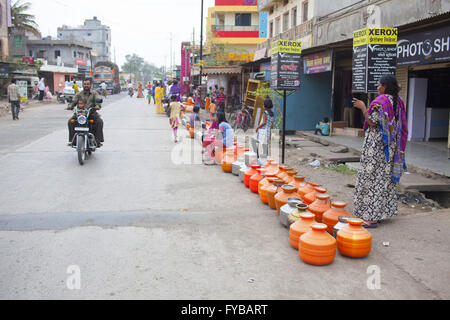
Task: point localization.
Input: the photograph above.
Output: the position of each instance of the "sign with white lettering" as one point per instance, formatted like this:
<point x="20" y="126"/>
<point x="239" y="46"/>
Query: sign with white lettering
<point x="286" y="65"/>
<point x="374" y="55"/>
<point x="425" y="47"/>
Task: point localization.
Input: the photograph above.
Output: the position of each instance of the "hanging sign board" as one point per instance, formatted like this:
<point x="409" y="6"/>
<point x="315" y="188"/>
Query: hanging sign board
<point x="286" y="65"/>
<point x="374" y="55"/>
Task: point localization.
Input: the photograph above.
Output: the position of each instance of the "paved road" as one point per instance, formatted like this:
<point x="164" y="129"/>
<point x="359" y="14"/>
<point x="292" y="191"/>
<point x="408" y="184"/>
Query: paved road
<point x="140" y="222"/>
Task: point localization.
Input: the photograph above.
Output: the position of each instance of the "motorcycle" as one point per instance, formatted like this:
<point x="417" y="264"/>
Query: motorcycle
<point x="60" y="97"/>
<point x="84" y="140"/>
<point x="131" y="92"/>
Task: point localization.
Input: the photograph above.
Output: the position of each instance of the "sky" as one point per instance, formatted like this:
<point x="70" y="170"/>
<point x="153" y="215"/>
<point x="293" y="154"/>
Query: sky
<point x="137" y="26"/>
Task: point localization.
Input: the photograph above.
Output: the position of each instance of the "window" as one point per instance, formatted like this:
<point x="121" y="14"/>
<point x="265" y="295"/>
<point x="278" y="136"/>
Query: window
<point x="243" y="19"/>
<point x="31" y="53"/>
<point x="18" y="42"/>
<point x="271" y="30"/>
<point x="277" y="26"/>
<point x="294" y="17"/>
<point x="57" y="54"/>
<point x="41" y="54"/>
<point x="305" y="11"/>
<point x="271" y="10"/>
<point x="286" y="22"/>
<point x="89" y="34"/>
<point x="74" y="54"/>
<point x="1" y="15"/>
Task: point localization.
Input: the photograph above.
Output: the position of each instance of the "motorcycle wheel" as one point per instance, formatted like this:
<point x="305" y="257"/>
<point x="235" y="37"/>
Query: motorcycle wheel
<point x="80" y="150"/>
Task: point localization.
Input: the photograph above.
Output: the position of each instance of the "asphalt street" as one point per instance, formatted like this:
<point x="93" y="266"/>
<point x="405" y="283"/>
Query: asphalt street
<point x="144" y="219"/>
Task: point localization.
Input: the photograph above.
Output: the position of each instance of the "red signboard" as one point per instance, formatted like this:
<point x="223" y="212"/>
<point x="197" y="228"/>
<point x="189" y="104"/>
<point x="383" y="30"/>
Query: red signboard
<point x="28" y="60"/>
<point x="236" y="2"/>
<point x="80" y="62"/>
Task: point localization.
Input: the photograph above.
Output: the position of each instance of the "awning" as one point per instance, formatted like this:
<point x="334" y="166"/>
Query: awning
<point x="223" y="70"/>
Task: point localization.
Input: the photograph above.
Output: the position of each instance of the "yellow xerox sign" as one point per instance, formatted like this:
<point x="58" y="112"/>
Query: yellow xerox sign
<point x="287" y="46"/>
<point x="375" y="36"/>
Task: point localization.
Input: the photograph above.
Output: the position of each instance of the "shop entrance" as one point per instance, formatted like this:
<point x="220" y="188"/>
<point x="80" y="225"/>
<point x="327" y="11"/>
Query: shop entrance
<point x="429" y="104"/>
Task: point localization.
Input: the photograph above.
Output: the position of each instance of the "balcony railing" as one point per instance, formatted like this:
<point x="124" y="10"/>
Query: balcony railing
<point x="234" y="28"/>
<point x="291" y="34"/>
<point x="265" y="4"/>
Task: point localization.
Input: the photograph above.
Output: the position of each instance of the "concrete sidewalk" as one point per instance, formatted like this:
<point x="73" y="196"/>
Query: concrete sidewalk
<point x="433" y="156"/>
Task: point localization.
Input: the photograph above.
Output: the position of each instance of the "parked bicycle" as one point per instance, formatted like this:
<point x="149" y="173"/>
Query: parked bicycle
<point x="243" y="118"/>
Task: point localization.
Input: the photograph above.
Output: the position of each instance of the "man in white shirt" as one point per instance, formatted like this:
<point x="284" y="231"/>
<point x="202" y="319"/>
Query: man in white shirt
<point x="103" y="86"/>
<point x="41" y="88"/>
<point x="14" y="99"/>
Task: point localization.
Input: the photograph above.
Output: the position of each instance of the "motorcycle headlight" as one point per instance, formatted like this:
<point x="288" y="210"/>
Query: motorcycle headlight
<point x="82" y="120"/>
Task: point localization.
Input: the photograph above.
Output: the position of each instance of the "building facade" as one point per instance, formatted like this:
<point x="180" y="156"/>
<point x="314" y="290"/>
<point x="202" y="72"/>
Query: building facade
<point x="94" y="32"/>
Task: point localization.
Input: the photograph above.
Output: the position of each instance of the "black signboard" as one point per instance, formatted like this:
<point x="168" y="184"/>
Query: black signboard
<point x="424" y="47"/>
<point x="374" y="55"/>
<point x="286" y="65"/>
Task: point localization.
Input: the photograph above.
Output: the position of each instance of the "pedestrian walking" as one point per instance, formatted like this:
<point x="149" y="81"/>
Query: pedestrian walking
<point x="264" y="131"/>
<point x="14" y="99"/>
<point x="221" y="100"/>
<point x="41" y="88"/>
<point x="175" y="116"/>
<point x="103" y="87"/>
<point x="159" y="95"/>
<point x="175" y="90"/>
<point x="383" y="154"/>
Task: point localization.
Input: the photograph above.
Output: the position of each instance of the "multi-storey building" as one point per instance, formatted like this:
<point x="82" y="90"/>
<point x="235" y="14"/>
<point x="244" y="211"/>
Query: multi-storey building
<point x="4" y="14"/>
<point x="94" y="32"/>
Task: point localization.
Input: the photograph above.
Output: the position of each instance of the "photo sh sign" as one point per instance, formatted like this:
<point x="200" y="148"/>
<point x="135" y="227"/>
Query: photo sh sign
<point x="286" y="65"/>
<point x="374" y="55"/>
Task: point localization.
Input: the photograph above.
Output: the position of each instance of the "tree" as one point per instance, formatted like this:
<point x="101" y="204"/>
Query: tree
<point x="133" y="66"/>
<point x="22" y="20"/>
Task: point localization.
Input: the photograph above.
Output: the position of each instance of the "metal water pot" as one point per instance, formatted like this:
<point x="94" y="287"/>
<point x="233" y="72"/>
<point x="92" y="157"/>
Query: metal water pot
<point x="287" y="209"/>
<point x="250" y="158"/>
<point x="242" y="172"/>
<point x="343" y="222"/>
<point x="237" y="166"/>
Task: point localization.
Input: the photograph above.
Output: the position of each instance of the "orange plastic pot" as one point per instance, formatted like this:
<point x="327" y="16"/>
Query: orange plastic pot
<point x="268" y="164"/>
<point x="192" y="133"/>
<point x="299" y="182"/>
<point x="320" y="206"/>
<point x="250" y="173"/>
<point x="308" y="188"/>
<point x="273" y="191"/>
<point x="228" y="160"/>
<point x="264" y="182"/>
<point x="301" y="227"/>
<point x="331" y="217"/>
<point x="274" y="168"/>
<point x="264" y="188"/>
<point x="354" y="241"/>
<point x="283" y="172"/>
<point x="290" y="177"/>
<point x="317" y="247"/>
<point x="255" y="179"/>
<point x="311" y="197"/>
<point x="287" y="192"/>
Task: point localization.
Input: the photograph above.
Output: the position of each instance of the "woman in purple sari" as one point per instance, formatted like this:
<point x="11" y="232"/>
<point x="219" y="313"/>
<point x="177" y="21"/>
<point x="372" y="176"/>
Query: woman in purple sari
<point x="383" y="154"/>
<point x="175" y="91"/>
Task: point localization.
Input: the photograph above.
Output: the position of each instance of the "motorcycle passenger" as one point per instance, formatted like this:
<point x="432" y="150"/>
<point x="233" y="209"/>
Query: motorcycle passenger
<point x="90" y="97"/>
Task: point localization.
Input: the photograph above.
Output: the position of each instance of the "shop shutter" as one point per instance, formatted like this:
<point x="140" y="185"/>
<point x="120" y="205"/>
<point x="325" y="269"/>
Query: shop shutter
<point x="402" y="77"/>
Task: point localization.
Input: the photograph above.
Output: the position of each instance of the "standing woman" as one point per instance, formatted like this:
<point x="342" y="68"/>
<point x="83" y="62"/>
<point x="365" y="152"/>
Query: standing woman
<point x="383" y="154"/>
<point x="159" y="95"/>
<point x="264" y="130"/>
<point x="175" y="116"/>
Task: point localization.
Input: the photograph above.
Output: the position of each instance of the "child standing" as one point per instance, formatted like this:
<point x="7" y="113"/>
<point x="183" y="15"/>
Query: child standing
<point x="212" y="110"/>
<point x="264" y="130"/>
<point x="174" y="120"/>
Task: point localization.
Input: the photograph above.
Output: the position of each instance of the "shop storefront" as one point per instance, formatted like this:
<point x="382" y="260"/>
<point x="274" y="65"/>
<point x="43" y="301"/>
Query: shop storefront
<point x="229" y="78"/>
<point x="424" y="73"/>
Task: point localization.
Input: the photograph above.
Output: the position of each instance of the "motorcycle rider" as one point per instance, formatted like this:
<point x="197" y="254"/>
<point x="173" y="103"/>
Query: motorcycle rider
<point x="91" y="100"/>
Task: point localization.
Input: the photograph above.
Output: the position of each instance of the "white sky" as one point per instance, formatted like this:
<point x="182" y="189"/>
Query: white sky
<point x="137" y="26"/>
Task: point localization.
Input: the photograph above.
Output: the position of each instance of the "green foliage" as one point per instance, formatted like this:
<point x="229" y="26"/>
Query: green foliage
<point x="140" y="69"/>
<point x="342" y="169"/>
<point x="22" y="20"/>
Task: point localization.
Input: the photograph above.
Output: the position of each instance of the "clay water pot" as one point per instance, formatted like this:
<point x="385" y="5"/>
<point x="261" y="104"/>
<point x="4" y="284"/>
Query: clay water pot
<point x="250" y="173"/>
<point x="299" y="182"/>
<point x="281" y="198"/>
<point x="331" y="217"/>
<point x="237" y="165"/>
<point x="273" y="191"/>
<point x="290" y="177"/>
<point x="343" y="222"/>
<point x="301" y="227"/>
<point x="311" y="197"/>
<point x="354" y="241"/>
<point x="288" y="209"/>
<point x="317" y="247"/>
<point x="255" y="179"/>
<point x="308" y="188"/>
<point x="320" y="206"/>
